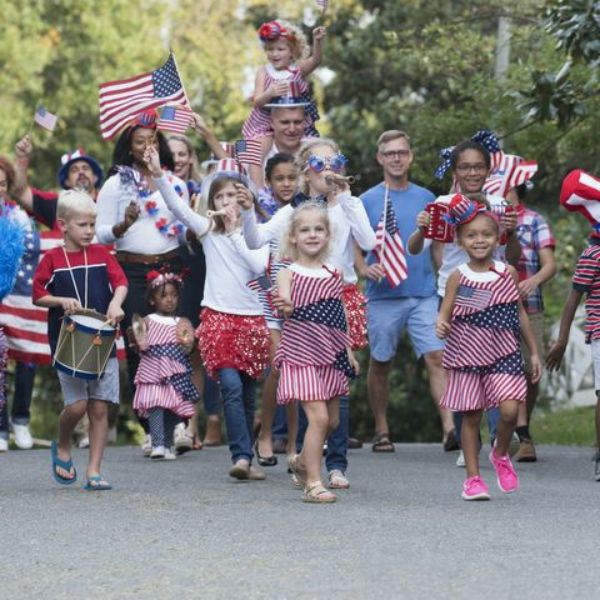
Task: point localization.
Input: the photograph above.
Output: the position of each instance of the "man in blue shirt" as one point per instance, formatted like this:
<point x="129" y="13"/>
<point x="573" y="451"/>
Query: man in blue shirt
<point x="413" y="304"/>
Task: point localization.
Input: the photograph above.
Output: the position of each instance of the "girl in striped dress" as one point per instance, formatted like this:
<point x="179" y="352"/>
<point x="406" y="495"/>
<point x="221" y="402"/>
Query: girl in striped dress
<point x="314" y="356"/>
<point x="482" y="318"/>
<point x="283" y="79"/>
<point x="164" y="392"/>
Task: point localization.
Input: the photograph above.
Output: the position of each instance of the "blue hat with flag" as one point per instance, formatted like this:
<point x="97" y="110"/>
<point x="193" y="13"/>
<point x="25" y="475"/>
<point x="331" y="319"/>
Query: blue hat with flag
<point x="79" y="154"/>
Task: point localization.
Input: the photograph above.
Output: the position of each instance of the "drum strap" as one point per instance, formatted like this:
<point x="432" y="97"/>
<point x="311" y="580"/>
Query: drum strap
<point x="85" y="289"/>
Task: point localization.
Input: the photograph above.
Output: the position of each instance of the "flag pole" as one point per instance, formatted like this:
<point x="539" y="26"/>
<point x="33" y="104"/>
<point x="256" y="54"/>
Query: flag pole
<point x="180" y="78"/>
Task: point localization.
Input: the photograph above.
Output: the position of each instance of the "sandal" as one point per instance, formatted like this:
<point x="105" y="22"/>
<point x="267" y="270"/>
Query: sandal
<point x="297" y="470"/>
<point x="97" y="483"/>
<point x="382" y="443"/>
<point x="317" y="494"/>
<point x="66" y="465"/>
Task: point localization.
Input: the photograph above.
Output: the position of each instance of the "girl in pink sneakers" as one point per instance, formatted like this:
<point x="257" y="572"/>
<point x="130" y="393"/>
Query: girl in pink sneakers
<point x="482" y="318"/>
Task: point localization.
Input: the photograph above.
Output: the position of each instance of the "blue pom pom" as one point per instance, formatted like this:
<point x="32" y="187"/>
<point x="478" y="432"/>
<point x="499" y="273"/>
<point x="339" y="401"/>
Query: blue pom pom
<point x="11" y="250"/>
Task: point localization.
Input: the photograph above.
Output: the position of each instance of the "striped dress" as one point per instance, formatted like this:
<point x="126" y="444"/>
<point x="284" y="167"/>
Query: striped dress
<point x="483" y="351"/>
<point x="258" y="124"/>
<point x="313" y="354"/>
<point x="163" y="378"/>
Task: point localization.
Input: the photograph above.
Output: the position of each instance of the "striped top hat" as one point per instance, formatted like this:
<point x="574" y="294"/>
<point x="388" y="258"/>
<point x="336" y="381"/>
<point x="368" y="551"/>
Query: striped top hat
<point x="509" y="172"/>
<point x="461" y="210"/>
<point x="292" y="99"/>
<point x="580" y="192"/>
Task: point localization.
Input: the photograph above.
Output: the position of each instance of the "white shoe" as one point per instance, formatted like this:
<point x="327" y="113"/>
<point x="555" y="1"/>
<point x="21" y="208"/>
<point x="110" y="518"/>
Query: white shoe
<point x="338" y="480"/>
<point x="170" y="453"/>
<point x="84" y="443"/>
<point x="157" y="453"/>
<point x="183" y="440"/>
<point x="23" y="438"/>
<point x="147" y="445"/>
<point x="460" y="461"/>
<point x="3" y="445"/>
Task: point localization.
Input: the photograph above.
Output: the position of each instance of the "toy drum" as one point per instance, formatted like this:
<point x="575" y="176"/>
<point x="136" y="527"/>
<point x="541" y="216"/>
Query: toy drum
<point x="439" y="229"/>
<point x="85" y="344"/>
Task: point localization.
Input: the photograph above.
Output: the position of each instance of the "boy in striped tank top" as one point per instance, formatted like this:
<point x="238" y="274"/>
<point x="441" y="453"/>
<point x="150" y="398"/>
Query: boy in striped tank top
<point x="482" y="318"/>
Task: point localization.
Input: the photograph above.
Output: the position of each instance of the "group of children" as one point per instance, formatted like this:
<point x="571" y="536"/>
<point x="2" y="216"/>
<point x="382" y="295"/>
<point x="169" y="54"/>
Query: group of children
<point x="282" y="300"/>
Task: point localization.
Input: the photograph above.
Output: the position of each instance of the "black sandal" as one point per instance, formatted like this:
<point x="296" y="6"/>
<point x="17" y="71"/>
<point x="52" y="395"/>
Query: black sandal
<point x="264" y="461"/>
<point x="382" y="443"/>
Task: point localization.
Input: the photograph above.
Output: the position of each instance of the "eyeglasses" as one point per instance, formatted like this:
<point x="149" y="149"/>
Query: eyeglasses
<point x="480" y="168"/>
<point x="395" y="153"/>
<point x="319" y="163"/>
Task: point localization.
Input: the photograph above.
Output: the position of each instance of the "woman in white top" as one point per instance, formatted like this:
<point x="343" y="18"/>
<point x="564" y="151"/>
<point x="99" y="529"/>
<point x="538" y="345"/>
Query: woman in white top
<point x="233" y="336"/>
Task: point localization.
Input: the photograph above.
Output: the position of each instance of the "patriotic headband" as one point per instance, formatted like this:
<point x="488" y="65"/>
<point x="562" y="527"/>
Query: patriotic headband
<point x="580" y="192"/>
<point x="486" y="137"/>
<point x="461" y="210"/>
<point x="156" y="278"/>
<point x="509" y="172"/>
<point x="145" y="119"/>
<point x="273" y="30"/>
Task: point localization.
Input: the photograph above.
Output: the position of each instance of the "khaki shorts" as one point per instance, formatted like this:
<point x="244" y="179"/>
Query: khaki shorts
<point x="537" y="327"/>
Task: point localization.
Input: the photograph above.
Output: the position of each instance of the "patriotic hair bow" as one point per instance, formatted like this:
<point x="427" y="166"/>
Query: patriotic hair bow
<point x="156" y="278"/>
<point x="272" y="30"/>
<point x="146" y="119"/>
<point x="445" y="154"/>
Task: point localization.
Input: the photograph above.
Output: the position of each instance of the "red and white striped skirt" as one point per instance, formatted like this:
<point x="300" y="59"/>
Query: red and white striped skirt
<point x="309" y="383"/>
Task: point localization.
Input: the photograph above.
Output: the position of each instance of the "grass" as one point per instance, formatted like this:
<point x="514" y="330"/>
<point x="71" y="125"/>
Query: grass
<point x="570" y="427"/>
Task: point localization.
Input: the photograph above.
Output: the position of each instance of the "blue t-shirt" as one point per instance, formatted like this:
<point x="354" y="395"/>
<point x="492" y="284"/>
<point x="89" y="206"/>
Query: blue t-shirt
<point x="407" y="204"/>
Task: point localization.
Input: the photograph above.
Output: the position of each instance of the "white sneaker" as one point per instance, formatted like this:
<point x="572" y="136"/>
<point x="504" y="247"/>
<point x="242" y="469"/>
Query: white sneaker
<point x="460" y="461"/>
<point x="338" y="480"/>
<point x="170" y="453"/>
<point x="3" y="445"/>
<point x="147" y="445"/>
<point x="183" y="440"/>
<point x="23" y="438"/>
<point x="157" y="453"/>
<point x="84" y="443"/>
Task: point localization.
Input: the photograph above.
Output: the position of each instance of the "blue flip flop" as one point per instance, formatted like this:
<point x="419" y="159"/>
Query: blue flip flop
<point x="66" y="465"/>
<point x="96" y="483"/>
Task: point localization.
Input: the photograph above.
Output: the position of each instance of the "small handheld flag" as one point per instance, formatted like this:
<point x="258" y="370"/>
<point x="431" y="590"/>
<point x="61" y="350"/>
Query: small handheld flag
<point x="175" y="119"/>
<point x="45" y="119"/>
<point x="249" y="152"/>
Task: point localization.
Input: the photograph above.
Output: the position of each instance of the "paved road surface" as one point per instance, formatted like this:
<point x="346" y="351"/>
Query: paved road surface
<point x="184" y="530"/>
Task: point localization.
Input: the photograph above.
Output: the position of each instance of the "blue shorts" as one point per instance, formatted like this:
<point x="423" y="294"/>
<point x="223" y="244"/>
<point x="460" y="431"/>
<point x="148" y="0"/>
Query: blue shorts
<point x="387" y="320"/>
<point x="106" y="388"/>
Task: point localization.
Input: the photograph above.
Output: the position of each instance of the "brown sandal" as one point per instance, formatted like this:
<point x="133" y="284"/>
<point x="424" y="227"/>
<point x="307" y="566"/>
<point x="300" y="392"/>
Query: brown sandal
<point x="297" y="470"/>
<point x="317" y="494"/>
<point x="382" y="443"/>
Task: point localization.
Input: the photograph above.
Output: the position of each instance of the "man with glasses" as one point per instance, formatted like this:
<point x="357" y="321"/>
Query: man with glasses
<point x="412" y="305"/>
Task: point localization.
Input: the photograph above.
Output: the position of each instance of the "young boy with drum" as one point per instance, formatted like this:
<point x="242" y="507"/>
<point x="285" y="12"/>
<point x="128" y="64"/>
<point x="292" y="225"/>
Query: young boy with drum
<point x="81" y="279"/>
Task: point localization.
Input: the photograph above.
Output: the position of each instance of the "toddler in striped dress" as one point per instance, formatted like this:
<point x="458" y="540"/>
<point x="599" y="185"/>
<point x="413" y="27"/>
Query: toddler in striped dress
<point x="314" y="356"/>
<point x="164" y="393"/>
<point x="482" y="318"/>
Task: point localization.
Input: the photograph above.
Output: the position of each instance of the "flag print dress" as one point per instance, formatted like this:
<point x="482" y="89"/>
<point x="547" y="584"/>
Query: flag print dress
<point x="164" y="375"/>
<point x="313" y="354"/>
<point x="483" y="352"/>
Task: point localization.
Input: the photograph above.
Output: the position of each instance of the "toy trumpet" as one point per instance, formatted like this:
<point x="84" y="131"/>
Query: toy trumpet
<point x="337" y="178"/>
<point x="211" y="214"/>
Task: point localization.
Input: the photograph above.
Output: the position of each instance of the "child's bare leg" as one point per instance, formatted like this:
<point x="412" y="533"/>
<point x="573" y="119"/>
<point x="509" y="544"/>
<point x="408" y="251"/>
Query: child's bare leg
<point x="67" y="421"/>
<point x="292" y="427"/>
<point x="316" y="433"/>
<point x="469" y="439"/>
<point x="269" y="400"/>
<point x="506" y="425"/>
<point x="98" y="414"/>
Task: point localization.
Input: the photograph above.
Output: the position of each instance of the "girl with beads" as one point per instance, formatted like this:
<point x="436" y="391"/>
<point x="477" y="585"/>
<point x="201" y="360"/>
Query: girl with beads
<point x="133" y="216"/>
<point x="164" y="392"/>
<point x="234" y="341"/>
<point x="284" y="76"/>
<point x="319" y="163"/>
<point x="314" y="355"/>
<point x="482" y="318"/>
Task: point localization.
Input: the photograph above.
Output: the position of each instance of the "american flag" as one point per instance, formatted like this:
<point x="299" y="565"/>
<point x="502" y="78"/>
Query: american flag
<point x="249" y="152"/>
<point x="322" y="4"/>
<point x="176" y="119"/>
<point x="45" y="119"/>
<point x="121" y="101"/>
<point x="510" y="172"/>
<point x="472" y="297"/>
<point x="389" y="249"/>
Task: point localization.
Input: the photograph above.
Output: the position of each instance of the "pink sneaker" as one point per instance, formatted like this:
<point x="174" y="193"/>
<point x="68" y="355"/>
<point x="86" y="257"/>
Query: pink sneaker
<point x="506" y="476"/>
<point x="474" y="488"/>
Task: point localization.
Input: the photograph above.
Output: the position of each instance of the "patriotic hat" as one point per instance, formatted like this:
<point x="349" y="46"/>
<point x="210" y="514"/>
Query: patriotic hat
<point x="580" y="192"/>
<point x="461" y="210"/>
<point x="228" y="167"/>
<point x="291" y="100"/>
<point x="66" y="160"/>
<point x="510" y="172"/>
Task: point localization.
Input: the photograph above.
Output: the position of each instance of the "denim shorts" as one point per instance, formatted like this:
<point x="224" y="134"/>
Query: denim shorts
<point x="387" y="320"/>
<point x="106" y="388"/>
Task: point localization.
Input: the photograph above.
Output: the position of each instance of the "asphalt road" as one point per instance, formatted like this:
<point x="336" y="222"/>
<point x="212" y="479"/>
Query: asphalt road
<point x="184" y="530"/>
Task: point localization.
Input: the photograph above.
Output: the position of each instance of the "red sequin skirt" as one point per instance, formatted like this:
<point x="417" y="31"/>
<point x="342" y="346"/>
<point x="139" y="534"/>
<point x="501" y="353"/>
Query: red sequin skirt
<point x="238" y="342"/>
<point x="356" y="313"/>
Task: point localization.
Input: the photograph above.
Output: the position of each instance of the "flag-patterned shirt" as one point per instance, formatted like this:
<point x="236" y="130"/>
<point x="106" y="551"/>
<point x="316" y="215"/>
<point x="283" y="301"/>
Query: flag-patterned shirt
<point x="485" y="319"/>
<point x="534" y="234"/>
<point x="586" y="280"/>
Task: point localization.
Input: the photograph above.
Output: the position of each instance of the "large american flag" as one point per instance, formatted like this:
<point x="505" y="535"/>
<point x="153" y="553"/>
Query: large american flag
<point x="389" y="249"/>
<point x="122" y="100"/>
